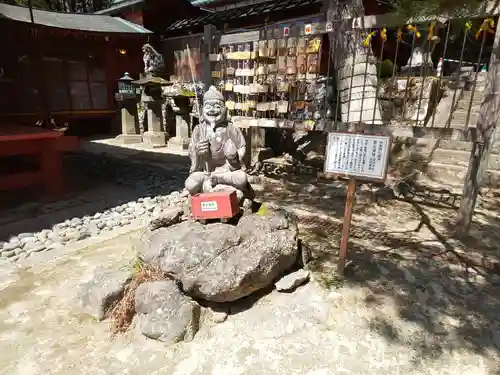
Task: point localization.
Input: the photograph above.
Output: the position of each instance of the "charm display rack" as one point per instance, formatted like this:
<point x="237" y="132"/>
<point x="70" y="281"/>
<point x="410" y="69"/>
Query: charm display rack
<point x="275" y="81"/>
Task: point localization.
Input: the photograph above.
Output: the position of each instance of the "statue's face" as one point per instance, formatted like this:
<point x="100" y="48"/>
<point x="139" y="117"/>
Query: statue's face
<point x="145" y="48"/>
<point x="214" y="111"/>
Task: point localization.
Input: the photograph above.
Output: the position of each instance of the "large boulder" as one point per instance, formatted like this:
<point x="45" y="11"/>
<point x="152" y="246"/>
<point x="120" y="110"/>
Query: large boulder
<point x="104" y="289"/>
<point x="221" y="262"/>
<point x="164" y="313"/>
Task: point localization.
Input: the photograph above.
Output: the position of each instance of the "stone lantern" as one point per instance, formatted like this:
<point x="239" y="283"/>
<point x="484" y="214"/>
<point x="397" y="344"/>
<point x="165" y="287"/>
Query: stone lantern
<point x="125" y="86"/>
<point x="151" y="97"/>
<point x="126" y="99"/>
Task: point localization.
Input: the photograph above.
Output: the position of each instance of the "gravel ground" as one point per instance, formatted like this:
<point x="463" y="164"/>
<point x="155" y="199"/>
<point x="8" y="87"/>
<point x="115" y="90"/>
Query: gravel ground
<point x="108" y="193"/>
<point x="411" y="302"/>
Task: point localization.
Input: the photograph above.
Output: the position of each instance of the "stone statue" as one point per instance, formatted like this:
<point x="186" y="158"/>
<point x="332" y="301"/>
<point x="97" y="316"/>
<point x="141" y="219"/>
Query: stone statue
<point x="153" y="61"/>
<point x="418" y="60"/>
<point x="217" y="150"/>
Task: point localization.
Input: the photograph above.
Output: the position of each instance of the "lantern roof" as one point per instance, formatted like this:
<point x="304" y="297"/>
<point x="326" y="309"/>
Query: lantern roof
<point x="126" y="77"/>
<point x="149" y="79"/>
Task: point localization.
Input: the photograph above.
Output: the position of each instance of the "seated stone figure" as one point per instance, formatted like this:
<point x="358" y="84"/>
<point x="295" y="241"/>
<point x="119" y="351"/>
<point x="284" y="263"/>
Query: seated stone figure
<point x="217" y="150"/>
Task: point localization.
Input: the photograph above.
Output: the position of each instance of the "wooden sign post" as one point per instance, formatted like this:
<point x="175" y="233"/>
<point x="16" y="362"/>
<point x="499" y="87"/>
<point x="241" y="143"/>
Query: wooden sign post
<point x="357" y="156"/>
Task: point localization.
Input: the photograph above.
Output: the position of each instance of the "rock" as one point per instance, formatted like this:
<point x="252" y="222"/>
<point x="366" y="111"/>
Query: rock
<point x="43" y="235"/>
<point x="30" y="245"/>
<point x="221" y="262"/>
<point x="100" y="224"/>
<point x="61" y="226"/>
<point x="37" y="248"/>
<point x="124" y="221"/>
<point x="139" y="211"/>
<point x="10" y="253"/>
<point x="25" y="235"/>
<point x="25" y="240"/>
<point x="48" y="243"/>
<point x="106" y="287"/>
<point x="247" y="204"/>
<point x="112" y="223"/>
<point x="19" y="251"/>
<point x="73" y="234"/>
<point x="75" y="222"/>
<point x="11" y="245"/>
<point x="166" y="218"/>
<point x="292" y="280"/>
<point x="164" y="313"/>
<point x="224" y="188"/>
<point x="56" y="236"/>
<point x="214" y="315"/>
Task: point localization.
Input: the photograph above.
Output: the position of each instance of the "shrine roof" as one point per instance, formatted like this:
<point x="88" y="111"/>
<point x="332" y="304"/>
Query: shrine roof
<point x="118" y="6"/>
<point x="71" y="21"/>
<point x="260" y="9"/>
<point x="122" y="6"/>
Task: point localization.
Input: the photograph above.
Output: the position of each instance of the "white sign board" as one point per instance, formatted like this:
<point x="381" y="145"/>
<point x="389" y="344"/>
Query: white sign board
<point x="209" y="206"/>
<point x="362" y="156"/>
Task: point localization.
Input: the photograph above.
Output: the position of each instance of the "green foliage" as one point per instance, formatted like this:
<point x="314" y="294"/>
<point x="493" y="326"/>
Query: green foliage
<point x="385" y="68"/>
<point x="429" y="8"/>
<point x="136" y="266"/>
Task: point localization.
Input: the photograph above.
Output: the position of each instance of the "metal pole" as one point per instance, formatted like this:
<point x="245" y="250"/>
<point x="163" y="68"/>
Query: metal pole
<point x="30" y="7"/>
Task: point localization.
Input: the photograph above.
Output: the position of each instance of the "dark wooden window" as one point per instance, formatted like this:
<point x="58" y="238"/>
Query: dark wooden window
<point x="75" y="85"/>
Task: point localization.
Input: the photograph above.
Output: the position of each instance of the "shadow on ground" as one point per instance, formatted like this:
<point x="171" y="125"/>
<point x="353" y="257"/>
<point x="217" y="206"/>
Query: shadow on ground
<point x="97" y="181"/>
<point x="404" y="253"/>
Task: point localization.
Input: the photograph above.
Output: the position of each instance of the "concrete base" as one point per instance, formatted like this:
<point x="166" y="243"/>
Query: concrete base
<point x="154" y="139"/>
<point x="126" y="139"/>
<point x="178" y="143"/>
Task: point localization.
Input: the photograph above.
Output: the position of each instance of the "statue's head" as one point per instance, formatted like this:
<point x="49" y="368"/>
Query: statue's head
<point x="214" y="107"/>
<point x="147" y="48"/>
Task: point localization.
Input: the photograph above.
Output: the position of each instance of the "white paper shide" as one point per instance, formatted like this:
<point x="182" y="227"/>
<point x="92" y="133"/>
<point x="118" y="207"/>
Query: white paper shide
<point x="357" y="155"/>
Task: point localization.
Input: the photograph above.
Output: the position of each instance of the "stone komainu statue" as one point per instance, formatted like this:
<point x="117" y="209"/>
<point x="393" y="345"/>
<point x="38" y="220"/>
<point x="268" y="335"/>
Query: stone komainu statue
<point x="153" y="61"/>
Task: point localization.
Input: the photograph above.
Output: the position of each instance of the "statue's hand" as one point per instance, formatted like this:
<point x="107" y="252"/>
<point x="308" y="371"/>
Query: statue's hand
<point x="203" y="148"/>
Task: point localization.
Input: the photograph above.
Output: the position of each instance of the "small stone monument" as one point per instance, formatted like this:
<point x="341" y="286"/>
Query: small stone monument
<point x="217" y="152"/>
<point x="181" y="109"/>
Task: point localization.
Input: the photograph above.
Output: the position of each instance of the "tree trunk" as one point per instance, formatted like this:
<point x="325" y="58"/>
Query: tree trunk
<point x="480" y="154"/>
<point x="355" y="64"/>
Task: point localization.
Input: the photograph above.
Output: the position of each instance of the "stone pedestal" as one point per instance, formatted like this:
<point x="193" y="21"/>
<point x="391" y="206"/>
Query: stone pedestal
<point x="129" y="120"/>
<point x="154" y="139"/>
<point x="155" y="136"/>
<point x="180" y="142"/>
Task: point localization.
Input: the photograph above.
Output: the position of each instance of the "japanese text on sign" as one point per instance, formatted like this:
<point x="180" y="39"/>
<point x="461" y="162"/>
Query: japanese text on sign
<point x="210" y="206"/>
<point x="357" y="155"/>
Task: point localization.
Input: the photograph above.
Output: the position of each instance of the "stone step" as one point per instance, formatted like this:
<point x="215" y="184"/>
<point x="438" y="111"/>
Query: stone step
<point x="478" y="95"/>
<point x="461" y="158"/>
<point x="461" y="117"/>
<point x="453" y="175"/>
<point x="463" y="105"/>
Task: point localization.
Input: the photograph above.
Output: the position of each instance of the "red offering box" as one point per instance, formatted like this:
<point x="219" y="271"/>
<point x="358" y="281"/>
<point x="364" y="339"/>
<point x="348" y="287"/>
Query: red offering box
<point x="219" y="205"/>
